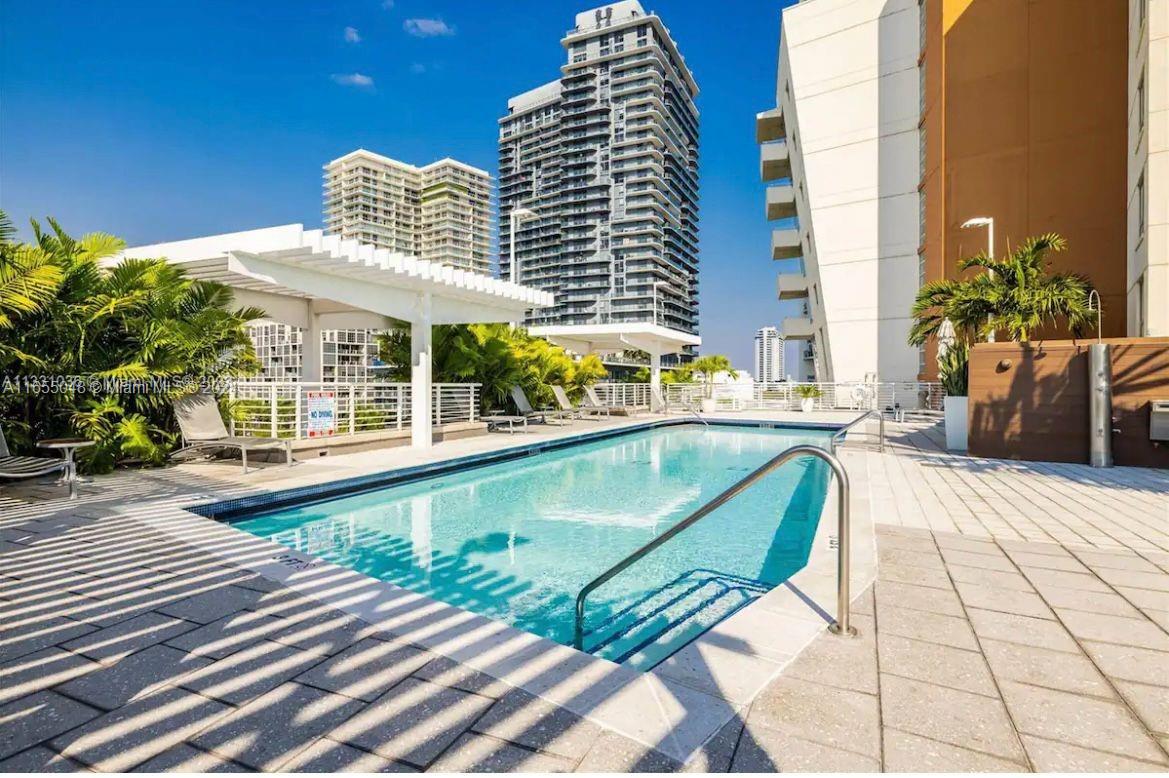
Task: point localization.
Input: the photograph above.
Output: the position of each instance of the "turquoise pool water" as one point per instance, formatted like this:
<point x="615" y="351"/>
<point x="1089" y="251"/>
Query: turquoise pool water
<point x="517" y="540"/>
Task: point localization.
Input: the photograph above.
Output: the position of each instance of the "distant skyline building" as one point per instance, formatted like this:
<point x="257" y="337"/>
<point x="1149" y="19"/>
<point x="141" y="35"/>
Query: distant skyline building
<point x="769" y="355"/>
<point x="603" y="163"/>
<point x="440" y="212"/>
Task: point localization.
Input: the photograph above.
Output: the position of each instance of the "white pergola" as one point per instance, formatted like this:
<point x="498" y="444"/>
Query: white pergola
<point x="654" y="339"/>
<point x="314" y="281"/>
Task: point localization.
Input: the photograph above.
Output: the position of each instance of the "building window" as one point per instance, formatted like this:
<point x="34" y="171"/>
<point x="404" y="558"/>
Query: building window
<point x="1141" y="205"/>
<point x="921" y="217"/>
<point x="1140" y="328"/>
<point x="1142" y="107"/>
<point x="921" y="24"/>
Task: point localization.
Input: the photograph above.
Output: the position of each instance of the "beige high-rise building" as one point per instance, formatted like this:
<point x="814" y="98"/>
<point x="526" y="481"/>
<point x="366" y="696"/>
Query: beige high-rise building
<point x="439" y="212"/>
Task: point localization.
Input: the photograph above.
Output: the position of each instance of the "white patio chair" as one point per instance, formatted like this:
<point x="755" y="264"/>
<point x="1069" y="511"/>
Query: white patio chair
<point x="566" y="405"/>
<point x="203" y="428"/>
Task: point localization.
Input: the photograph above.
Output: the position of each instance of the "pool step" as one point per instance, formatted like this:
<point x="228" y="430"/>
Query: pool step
<point x="655" y="626"/>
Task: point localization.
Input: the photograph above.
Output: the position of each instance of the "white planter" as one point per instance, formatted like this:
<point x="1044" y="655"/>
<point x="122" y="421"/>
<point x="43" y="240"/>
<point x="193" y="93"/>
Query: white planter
<point x="808" y="404"/>
<point x="709" y="405"/>
<point x="957" y="423"/>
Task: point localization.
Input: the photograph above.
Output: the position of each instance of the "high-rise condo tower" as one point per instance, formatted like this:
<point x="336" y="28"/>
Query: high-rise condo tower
<point x="598" y="178"/>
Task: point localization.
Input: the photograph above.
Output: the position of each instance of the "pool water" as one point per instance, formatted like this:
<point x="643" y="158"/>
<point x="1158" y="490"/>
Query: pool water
<point x="517" y="540"/>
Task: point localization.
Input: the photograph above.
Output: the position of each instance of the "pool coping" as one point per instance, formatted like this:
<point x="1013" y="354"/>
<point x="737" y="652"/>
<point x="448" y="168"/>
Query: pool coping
<point x="676" y="707"/>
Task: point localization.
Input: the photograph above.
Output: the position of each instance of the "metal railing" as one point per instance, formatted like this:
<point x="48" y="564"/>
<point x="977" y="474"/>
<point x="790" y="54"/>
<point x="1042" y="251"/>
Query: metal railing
<point x="885" y="396"/>
<point x="623" y="394"/>
<point x="838" y="436"/>
<point x="281" y="409"/>
<point x="844" y="551"/>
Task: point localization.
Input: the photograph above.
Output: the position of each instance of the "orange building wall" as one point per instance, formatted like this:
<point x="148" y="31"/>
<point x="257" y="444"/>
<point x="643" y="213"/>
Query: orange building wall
<point x="1026" y="116"/>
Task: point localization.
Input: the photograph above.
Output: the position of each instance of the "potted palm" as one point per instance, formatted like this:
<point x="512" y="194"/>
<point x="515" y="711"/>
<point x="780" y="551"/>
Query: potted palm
<point x="808" y="394"/>
<point x="1015" y="296"/>
<point x="953" y="364"/>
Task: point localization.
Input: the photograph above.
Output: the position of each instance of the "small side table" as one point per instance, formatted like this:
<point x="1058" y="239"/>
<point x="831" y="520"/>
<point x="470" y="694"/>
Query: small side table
<point x="67" y="447"/>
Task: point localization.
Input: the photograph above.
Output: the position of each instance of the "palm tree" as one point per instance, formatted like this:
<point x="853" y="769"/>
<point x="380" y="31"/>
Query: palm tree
<point x="1016" y="295"/>
<point x="710" y="366"/>
<point x="65" y="313"/>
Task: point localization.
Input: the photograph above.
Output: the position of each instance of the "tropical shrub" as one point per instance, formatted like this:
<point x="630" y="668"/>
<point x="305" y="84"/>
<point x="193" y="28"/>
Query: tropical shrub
<point x="75" y="331"/>
<point x="1016" y="295"/>
<point x="498" y="357"/>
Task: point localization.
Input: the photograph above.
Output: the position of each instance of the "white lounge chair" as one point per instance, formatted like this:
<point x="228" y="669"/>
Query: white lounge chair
<point x="525" y="407"/>
<point x="591" y="400"/>
<point x="567" y="407"/>
<point x="202" y="428"/>
<point x="500" y="420"/>
<point x="27" y="467"/>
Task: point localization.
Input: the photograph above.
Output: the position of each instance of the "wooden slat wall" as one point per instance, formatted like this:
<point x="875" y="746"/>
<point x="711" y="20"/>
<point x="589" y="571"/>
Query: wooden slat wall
<point x="1030" y="401"/>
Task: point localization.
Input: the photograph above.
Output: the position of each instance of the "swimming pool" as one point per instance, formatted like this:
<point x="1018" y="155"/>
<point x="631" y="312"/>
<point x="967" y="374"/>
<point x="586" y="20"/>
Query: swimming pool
<point x="516" y="540"/>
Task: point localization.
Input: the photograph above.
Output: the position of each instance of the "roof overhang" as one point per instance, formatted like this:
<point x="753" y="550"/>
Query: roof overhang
<point x="609" y="338"/>
<point x="282" y="265"/>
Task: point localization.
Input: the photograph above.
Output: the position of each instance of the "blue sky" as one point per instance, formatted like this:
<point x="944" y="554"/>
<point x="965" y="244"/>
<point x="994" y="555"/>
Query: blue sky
<point x="159" y="121"/>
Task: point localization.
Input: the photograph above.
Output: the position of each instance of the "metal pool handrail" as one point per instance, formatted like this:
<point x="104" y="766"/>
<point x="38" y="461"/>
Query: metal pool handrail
<point x="843" y="561"/>
<point x="840" y="433"/>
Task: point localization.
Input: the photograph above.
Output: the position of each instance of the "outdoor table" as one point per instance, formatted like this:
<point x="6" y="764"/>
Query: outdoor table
<point x="67" y="447"/>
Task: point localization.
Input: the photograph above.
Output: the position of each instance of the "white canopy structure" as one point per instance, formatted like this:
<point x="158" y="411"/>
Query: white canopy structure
<point x="654" y="339"/>
<point x="315" y="281"/>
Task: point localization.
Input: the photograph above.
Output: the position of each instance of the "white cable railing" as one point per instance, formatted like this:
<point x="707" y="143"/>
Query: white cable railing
<point x="622" y="394"/>
<point x="298" y="410"/>
<point x="884" y="396"/>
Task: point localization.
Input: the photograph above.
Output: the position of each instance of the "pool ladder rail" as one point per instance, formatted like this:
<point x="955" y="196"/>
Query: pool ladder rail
<point x="843" y="560"/>
<point x="838" y="436"/>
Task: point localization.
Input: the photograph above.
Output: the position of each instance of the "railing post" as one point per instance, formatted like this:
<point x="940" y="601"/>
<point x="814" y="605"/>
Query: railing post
<point x="296" y="413"/>
<point x="231" y="404"/>
<point x="438" y="405"/>
<point x="400" y="405"/>
<point x="272" y="408"/>
<point x="352" y="408"/>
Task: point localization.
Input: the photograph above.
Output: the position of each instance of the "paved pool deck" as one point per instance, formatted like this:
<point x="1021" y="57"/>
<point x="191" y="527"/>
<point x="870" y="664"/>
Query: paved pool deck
<point x="1018" y="621"/>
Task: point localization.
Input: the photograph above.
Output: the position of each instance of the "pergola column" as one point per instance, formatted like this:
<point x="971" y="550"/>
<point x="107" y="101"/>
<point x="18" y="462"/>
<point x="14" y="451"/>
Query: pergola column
<point x="655" y="369"/>
<point x="311" y="370"/>
<point x="421" y="432"/>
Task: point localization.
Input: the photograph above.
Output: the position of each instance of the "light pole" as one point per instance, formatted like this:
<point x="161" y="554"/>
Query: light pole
<point x="517" y="215"/>
<point x="988" y="222"/>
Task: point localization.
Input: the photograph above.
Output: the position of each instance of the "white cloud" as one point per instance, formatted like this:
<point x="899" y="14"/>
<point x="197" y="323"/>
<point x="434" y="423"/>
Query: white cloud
<point x="417" y="67"/>
<point x="359" y="80"/>
<point x="427" y="28"/>
<point x="352" y="35"/>
<point x="387" y="4"/>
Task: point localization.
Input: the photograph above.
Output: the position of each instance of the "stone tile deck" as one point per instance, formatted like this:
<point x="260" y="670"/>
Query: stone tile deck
<point x="1018" y="622"/>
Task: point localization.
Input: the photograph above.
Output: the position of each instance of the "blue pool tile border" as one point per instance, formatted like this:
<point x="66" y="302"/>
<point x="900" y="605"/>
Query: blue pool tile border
<point x="239" y="508"/>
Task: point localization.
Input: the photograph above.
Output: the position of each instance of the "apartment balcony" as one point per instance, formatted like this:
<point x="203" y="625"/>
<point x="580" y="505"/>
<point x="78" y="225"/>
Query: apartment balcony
<point x="792" y="286"/>
<point x="785" y="244"/>
<point x="798" y="327"/>
<point x="774" y="161"/>
<point x="769" y="125"/>
<point x="781" y="202"/>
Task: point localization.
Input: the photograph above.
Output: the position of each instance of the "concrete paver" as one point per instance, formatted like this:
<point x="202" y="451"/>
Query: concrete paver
<point x="1020" y="620"/>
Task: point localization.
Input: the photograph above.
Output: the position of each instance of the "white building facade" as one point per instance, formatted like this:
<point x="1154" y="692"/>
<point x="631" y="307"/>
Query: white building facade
<point x="603" y="163"/>
<point x="840" y="153"/>
<point x="1148" y="168"/>
<point x="769" y="355"/>
<point x="440" y="212"/>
